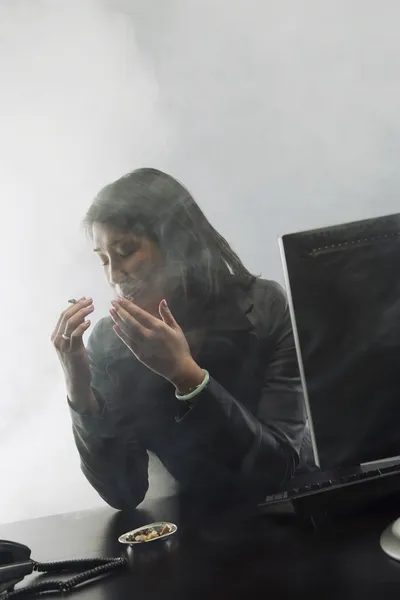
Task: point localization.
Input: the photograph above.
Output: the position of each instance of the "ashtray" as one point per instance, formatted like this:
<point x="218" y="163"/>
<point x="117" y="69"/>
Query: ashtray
<point x="154" y="532"/>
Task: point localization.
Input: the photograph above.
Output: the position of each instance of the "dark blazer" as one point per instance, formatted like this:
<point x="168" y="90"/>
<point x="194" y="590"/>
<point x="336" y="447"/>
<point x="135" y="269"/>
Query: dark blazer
<point x="241" y="439"/>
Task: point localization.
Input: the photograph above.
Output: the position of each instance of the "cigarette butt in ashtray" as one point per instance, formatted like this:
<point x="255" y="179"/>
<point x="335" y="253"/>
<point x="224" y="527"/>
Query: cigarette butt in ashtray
<point x="72" y="301"/>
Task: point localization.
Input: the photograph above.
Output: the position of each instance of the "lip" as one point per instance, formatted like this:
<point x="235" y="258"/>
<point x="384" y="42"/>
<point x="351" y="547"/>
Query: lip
<point x="130" y="291"/>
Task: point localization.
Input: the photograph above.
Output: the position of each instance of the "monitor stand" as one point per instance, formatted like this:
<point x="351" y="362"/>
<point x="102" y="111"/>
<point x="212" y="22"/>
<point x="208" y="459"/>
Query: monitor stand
<point x="390" y="540"/>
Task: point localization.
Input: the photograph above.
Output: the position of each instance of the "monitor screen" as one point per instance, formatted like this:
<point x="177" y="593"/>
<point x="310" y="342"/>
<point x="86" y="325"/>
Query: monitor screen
<point x="343" y="284"/>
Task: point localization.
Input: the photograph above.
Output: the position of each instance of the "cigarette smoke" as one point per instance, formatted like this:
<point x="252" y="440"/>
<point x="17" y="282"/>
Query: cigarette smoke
<point x="79" y="106"/>
<point x="279" y="115"/>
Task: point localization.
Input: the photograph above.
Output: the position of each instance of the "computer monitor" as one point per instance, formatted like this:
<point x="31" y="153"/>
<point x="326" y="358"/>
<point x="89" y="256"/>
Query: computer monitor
<point x="343" y="285"/>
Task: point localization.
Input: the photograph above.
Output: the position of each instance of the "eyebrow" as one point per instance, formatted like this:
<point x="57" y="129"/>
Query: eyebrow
<point x="112" y="244"/>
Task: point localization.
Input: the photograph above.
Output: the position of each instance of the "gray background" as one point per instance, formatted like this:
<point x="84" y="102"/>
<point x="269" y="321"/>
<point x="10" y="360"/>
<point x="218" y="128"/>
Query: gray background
<point x="278" y="115"/>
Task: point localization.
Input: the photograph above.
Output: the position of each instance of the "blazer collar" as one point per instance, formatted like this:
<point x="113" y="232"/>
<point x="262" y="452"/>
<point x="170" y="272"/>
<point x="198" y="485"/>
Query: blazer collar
<point x="235" y="315"/>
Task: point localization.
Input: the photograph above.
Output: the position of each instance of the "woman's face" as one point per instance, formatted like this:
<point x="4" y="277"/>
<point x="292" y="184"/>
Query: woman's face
<point x="134" y="266"/>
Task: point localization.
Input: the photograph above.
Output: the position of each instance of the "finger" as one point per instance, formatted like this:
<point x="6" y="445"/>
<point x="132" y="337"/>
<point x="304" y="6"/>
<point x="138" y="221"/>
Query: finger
<point x="140" y="315"/>
<point x="167" y="315"/>
<point x="76" y="336"/>
<point x="127" y="322"/>
<point x="69" y="312"/>
<point x="132" y="333"/>
<point x="70" y="322"/>
<point x="123" y="337"/>
<point x="118" y="321"/>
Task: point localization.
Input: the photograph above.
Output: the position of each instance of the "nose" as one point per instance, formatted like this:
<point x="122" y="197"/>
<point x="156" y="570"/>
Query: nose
<point x="116" y="274"/>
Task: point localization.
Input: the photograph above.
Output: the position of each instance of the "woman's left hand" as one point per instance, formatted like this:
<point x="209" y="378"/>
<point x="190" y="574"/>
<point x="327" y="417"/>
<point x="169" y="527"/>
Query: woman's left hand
<point x="160" y="344"/>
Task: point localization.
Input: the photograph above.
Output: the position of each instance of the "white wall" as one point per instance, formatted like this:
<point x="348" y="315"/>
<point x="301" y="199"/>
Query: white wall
<point x="278" y="115"/>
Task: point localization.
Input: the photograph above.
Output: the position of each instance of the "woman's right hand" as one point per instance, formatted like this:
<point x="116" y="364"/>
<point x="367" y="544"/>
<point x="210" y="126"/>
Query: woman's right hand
<point x="70" y="348"/>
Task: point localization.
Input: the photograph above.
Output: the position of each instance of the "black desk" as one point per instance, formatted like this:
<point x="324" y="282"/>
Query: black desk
<point x="271" y="555"/>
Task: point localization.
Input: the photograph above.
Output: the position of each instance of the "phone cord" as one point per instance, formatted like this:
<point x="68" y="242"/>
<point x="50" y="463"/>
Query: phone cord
<point x="93" y="568"/>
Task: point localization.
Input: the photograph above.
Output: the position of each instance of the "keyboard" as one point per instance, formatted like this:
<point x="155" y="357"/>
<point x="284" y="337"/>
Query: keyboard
<point x="317" y="483"/>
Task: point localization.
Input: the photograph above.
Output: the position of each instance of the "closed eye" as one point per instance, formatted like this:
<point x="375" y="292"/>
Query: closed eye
<point x="121" y="254"/>
<point x="104" y="261"/>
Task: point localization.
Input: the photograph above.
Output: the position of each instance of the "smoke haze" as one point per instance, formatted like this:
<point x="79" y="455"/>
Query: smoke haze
<point x="278" y="115"/>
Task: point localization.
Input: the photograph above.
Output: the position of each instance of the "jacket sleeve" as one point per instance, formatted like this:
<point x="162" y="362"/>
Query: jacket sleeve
<point x="265" y="443"/>
<point x="116" y="467"/>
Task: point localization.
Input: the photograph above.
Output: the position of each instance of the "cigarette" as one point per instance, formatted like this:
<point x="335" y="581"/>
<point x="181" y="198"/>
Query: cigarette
<point x="72" y="301"/>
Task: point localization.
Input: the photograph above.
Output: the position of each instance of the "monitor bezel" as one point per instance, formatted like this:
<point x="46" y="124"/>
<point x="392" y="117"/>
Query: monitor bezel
<point x="325" y="239"/>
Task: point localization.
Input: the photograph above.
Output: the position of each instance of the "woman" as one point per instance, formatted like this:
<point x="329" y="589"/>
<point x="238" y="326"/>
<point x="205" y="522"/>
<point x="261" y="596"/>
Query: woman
<point x="196" y="362"/>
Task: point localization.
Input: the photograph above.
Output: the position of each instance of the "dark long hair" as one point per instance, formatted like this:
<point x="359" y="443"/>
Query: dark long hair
<point x="150" y="202"/>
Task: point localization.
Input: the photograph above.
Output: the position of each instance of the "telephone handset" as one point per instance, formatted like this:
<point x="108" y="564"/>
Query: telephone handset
<point x="16" y="563"/>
